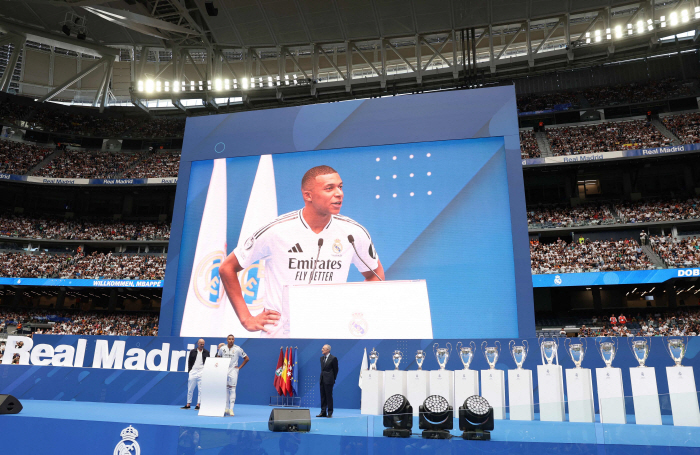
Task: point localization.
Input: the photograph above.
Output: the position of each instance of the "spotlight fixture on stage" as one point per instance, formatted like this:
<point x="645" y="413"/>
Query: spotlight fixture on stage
<point x="398" y="417"/>
<point x="476" y="419"/>
<point x="211" y="10"/>
<point x="435" y="418"/>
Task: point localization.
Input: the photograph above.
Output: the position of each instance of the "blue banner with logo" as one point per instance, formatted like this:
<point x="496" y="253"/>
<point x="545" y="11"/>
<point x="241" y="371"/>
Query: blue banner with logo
<point x="611" y="278"/>
<point x="564" y="159"/>
<point x="97" y="283"/>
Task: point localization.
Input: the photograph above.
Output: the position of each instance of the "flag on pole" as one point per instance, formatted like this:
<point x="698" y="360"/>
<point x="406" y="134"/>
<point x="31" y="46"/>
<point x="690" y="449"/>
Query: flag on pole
<point x="364" y="367"/>
<point x="295" y="373"/>
<point x="283" y="378"/>
<point x="206" y="300"/>
<point x="290" y="377"/>
<point x="278" y="373"/>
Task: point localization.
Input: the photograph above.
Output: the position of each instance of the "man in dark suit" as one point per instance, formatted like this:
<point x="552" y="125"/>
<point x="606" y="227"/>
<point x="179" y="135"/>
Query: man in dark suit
<point x="195" y="366"/>
<point x="329" y="371"/>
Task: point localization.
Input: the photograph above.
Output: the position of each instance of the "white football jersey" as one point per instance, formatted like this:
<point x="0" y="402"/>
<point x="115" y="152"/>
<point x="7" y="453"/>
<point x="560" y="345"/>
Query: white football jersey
<point x="234" y="354"/>
<point x="290" y="250"/>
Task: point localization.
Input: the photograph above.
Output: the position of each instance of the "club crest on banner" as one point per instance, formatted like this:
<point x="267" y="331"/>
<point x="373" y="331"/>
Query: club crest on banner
<point x="128" y="444"/>
<point x="358" y="325"/>
<point x="251" y="284"/>
<point x="207" y="282"/>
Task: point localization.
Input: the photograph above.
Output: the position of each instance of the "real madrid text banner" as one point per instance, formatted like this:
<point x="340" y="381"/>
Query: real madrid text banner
<point x="206" y="300"/>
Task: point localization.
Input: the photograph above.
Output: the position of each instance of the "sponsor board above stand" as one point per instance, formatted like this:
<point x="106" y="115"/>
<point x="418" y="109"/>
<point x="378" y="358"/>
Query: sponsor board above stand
<point x="611" y="278"/>
<point x="62" y="181"/>
<point x="639" y="153"/>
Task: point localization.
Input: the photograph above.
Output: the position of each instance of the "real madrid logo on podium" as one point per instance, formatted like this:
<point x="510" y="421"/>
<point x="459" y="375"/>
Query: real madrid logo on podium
<point x="358" y="325"/>
<point x="128" y="444"/>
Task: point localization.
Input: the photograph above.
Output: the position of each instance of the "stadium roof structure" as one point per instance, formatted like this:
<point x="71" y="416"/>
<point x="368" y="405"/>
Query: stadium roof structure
<point x="204" y="54"/>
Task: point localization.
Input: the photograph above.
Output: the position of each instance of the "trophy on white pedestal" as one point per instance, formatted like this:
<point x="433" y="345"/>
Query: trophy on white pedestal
<point x="466" y="353"/>
<point x="396" y="358"/>
<point x="395" y="380"/>
<point x="442" y="355"/>
<point x="466" y="381"/>
<point x="681" y="385"/>
<point x="520" y="391"/>
<point x="611" y="396"/>
<point x="550" y="382"/>
<point x="373" y="358"/>
<point x="441" y="380"/>
<point x="420" y="358"/>
<point x="645" y="393"/>
<point x="417" y="382"/>
<point x="493" y="386"/>
<point x="579" y="383"/>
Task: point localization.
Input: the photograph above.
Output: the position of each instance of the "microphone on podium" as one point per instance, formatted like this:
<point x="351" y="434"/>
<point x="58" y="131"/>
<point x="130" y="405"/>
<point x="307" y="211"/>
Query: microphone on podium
<point x="320" y="244"/>
<point x="351" y="239"/>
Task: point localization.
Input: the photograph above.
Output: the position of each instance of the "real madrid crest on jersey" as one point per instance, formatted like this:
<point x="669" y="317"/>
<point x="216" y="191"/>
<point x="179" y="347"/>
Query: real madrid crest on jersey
<point x="207" y="283"/>
<point x="337" y="247"/>
<point x="128" y="444"/>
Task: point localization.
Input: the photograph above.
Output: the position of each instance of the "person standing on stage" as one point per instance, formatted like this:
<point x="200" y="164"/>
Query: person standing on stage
<point x="233" y="352"/>
<point x="329" y="371"/>
<point x="312" y="245"/>
<point x="195" y="366"/>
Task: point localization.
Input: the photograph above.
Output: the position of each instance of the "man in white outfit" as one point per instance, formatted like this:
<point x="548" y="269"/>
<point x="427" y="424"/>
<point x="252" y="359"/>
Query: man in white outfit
<point x="234" y="353"/>
<point x="195" y="366"/>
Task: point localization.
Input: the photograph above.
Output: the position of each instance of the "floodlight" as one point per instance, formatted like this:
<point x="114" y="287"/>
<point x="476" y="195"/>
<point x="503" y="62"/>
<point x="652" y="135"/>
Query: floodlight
<point x="398" y="417"/>
<point x="218" y="83"/>
<point x="149" y="85"/>
<point x="435" y="418"/>
<point x="476" y="418"/>
<point x="140" y="86"/>
<point x="674" y="18"/>
<point x="618" y="31"/>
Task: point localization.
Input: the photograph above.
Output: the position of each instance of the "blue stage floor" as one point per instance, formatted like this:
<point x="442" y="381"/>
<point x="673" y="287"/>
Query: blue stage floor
<point x="530" y="437"/>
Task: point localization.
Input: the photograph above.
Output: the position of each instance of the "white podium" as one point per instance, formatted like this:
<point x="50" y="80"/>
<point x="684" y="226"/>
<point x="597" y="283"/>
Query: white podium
<point x="442" y="383"/>
<point x="550" y="384"/>
<point x="493" y="388"/>
<point x="358" y="310"/>
<point x="394" y="382"/>
<point x="520" y="395"/>
<point x="466" y="385"/>
<point x="579" y="390"/>
<point x="417" y="384"/>
<point x="684" y="397"/>
<point x="214" y="376"/>
<point x="645" y="395"/>
<point x="372" y="401"/>
<point x="611" y="396"/>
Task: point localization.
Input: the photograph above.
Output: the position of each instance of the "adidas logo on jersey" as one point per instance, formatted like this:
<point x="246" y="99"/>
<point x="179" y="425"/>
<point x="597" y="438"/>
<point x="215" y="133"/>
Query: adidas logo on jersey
<point x="295" y="249"/>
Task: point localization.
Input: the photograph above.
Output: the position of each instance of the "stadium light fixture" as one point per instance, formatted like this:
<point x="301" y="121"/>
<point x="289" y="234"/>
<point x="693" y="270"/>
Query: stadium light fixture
<point x="435" y="418"/>
<point x="158" y="86"/>
<point x="167" y="86"/>
<point x="398" y="417"/>
<point x="176" y="87"/>
<point x="476" y="419"/>
<point x="286" y="79"/>
<point x="597" y="36"/>
<point x="640" y="27"/>
<point x="697" y="12"/>
<point x="139" y="86"/>
<point x="607" y="34"/>
<point x="218" y="84"/>
<point x="244" y="83"/>
<point x="673" y="18"/>
<point x="149" y="86"/>
<point x="684" y="16"/>
<point x="269" y="81"/>
<point x="227" y="85"/>
<point x="663" y="21"/>
<point x="618" y="31"/>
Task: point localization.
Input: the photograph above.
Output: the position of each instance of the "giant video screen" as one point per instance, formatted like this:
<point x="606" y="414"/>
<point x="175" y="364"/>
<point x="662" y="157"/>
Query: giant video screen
<point x="411" y="240"/>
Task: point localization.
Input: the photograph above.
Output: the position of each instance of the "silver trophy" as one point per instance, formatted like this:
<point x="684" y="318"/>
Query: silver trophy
<point x="373" y="358"/>
<point x="548" y="350"/>
<point x="676" y="348"/>
<point x="607" y="350"/>
<point x="442" y="354"/>
<point x="398" y="355"/>
<point x="420" y="358"/>
<point x="640" y="349"/>
<point x="576" y="351"/>
<point x="466" y="353"/>
<point x="491" y="353"/>
<point x="519" y="353"/>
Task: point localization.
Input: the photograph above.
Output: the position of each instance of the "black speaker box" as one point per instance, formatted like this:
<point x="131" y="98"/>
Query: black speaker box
<point x="9" y="405"/>
<point x="283" y="419"/>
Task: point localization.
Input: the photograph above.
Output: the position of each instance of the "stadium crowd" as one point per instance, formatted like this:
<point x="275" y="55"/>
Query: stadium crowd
<point x="587" y="256"/>
<point x="686" y="127"/>
<point x="159" y="164"/>
<point x="639" y="212"/>
<point x="18" y="158"/>
<point x="544" y="102"/>
<point x="96" y="229"/>
<point x="676" y="252"/>
<point x="680" y="323"/>
<point x="88" y="164"/>
<point x="528" y="145"/>
<point x="605" y="137"/>
<point x="560" y="216"/>
<point x="93" y="266"/>
<point x="637" y="92"/>
<point x="82" y="323"/>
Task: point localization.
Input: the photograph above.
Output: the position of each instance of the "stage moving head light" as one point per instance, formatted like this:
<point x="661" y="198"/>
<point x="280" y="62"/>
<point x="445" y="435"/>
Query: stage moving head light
<point x="398" y="417"/>
<point x="435" y="418"/>
<point x="476" y="418"/>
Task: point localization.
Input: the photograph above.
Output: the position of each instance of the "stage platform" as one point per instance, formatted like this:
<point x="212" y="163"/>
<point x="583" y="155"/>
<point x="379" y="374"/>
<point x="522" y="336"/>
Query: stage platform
<point x="58" y="427"/>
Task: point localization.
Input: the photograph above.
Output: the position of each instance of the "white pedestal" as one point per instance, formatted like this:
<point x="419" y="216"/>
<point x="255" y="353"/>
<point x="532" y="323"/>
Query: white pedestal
<point x="645" y="394"/>
<point x="214" y="378"/>
<point x="394" y="382"/>
<point x="372" y="392"/>
<point x="442" y="383"/>
<point x="579" y="390"/>
<point x="520" y="395"/>
<point x="493" y="388"/>
<point x="684" y="397"/>
<point x="417" y="382"/>
<point x="611" y="396"/>
<point x="466" y="385"/>
<point x="550" y="384"/>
